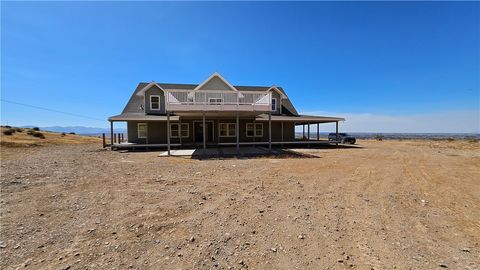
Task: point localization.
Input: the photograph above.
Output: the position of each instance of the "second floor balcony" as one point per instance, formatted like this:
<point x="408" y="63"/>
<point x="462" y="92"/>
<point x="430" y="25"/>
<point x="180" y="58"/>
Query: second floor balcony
<point x="207" y="100"/>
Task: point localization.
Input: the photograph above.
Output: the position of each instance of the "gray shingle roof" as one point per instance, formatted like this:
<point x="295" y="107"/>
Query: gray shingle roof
<point x="135" y="102"/>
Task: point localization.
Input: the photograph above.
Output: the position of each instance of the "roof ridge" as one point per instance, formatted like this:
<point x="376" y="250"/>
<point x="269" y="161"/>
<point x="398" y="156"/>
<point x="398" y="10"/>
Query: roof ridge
<point x="196" y="84"/>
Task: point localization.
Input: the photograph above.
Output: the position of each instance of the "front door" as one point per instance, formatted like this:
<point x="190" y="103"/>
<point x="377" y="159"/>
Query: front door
<point x="198" y="126"/>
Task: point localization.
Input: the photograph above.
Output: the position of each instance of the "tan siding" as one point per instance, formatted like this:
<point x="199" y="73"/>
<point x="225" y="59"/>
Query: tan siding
<point x="215" y="84"/>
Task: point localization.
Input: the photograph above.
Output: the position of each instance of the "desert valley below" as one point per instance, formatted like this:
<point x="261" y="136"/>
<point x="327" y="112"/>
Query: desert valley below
<point x="66" y="203"/>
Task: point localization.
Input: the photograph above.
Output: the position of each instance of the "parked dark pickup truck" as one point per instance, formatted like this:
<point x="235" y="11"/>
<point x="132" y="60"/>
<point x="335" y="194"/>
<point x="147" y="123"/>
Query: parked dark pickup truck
<point x="342" y="138"/>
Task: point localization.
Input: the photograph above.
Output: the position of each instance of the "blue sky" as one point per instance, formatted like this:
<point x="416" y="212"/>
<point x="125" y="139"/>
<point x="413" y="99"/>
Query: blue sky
<point x="366" y="61"/>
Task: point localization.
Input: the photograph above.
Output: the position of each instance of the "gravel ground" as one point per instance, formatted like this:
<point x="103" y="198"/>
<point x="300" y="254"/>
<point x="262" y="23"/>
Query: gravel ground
<point x="385" y="205"/>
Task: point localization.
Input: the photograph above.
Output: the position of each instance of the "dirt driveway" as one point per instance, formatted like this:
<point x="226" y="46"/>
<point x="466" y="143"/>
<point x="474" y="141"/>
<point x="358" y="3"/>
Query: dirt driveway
<point x="386" y="205"/>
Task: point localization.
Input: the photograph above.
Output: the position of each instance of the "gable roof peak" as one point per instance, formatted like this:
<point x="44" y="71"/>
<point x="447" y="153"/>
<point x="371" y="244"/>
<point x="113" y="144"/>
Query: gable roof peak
<point x="275" y="88"/>
<point x="148" y="86"/>
<point x="217" y="75"/>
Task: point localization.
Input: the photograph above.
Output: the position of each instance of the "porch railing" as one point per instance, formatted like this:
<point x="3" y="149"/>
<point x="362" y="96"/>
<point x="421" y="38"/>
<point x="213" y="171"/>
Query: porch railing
<point x="217" y="100"/>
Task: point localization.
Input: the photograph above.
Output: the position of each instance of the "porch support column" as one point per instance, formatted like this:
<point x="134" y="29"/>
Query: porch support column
<point x="303" y="136"/>
<point x="308" y="134"/>
<point x="270" y="131"/>
<point x="336" y="133"/>
<point x="318" y="131"/>
<point x="308" y="128"/>
<point x="204" y="133"/>
<point x="111" y="133"/>
<point x="180" y="130"/>
<point x="282" y="132"/>
<point x="168" y="133"/>
<point x="237" y="127"/>
<point x="254" y="130"/>
<point x="146" y="131"/>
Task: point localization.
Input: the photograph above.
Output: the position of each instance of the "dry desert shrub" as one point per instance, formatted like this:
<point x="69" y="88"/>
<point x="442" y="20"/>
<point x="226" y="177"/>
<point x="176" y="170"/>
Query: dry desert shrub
<point x="379" y="137"/>
<point x="8" y="132"/>
<point x="38" y="135"/>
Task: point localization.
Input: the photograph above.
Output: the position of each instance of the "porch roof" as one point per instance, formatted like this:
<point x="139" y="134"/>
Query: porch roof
<point x="263" y="117"/>
<point x="300" y="118"/>
<point x="141" y="117"/>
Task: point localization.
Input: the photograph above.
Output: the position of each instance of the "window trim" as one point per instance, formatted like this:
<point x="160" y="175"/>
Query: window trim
<point x="276" y="105"/>
<point x="180" y="129"/>
<point x="228" y="129"/>
<point x="159" y="107"/>
<point x="216" y="102"/>
<point x="138" y="130"/>
<point x="254" y="130"/>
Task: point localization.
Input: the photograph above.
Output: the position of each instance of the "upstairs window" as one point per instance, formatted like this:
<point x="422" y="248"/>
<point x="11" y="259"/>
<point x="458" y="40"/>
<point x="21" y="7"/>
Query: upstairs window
<point x="154" y="102"/>
<point x="142" y="130"/>
<point x="215" y="101"/>
<point x="274" y="104"/>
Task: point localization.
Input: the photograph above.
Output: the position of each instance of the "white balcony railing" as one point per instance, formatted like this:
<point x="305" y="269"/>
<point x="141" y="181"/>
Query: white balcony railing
<point x="204" y="100"/>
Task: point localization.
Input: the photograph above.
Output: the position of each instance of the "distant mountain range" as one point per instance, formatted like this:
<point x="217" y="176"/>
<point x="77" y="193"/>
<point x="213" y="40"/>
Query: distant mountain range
<point x="387" y="135"/>
<point x="359" y="135"/>
<point x="80" y="130"/>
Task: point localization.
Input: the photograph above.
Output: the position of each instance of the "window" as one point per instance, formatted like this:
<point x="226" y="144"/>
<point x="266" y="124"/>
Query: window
<point x="154" y="102"/>
<point x="176" y="130"/>
<point x="258" y="130"/>
<point x="142" y="130"/>
<point x="215" y="101"/>
<point x="227" y="130"/>
<point x="185" y="130"/>
<point x="274" y="104"/>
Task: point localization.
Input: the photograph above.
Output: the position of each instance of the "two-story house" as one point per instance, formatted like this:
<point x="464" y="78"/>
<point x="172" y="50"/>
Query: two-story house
<point x="212" y="113"/>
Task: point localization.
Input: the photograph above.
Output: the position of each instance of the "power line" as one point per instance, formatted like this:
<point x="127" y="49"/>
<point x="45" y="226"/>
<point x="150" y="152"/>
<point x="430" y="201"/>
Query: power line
<point x="51" y="110"/>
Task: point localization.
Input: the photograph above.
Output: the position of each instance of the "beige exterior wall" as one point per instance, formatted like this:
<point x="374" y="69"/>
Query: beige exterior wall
<point x="215" y="84"/>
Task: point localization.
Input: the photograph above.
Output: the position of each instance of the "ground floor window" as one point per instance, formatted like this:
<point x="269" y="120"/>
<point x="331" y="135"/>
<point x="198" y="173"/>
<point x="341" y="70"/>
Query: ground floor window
<point x="227" y="129"/>
<point x="256" y="129"/>
<point x="142" y="130"/>
<point x="177" y="129"/>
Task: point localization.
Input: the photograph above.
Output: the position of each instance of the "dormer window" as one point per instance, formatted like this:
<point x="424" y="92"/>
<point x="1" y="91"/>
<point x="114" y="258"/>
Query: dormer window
<point x="274" y="104"/>
<point x="154" y="102"/>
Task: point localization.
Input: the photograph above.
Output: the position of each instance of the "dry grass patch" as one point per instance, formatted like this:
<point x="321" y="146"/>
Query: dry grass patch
<point x="30" y="137"/>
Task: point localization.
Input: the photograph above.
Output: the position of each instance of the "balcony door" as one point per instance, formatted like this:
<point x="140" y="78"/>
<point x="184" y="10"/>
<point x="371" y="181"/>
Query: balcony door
<point x="198" y="131"/>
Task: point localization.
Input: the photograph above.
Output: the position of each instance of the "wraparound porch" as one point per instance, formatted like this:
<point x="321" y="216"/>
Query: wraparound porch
<point x="221" y="130"/>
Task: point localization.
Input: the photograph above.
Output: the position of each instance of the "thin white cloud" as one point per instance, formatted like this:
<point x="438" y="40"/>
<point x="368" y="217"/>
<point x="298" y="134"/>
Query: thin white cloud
<point x="460" y="121"/>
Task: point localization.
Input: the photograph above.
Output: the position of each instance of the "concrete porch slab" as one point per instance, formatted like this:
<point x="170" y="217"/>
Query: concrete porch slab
<point x="220" y="151"/>
<point x="178" y="152"/>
